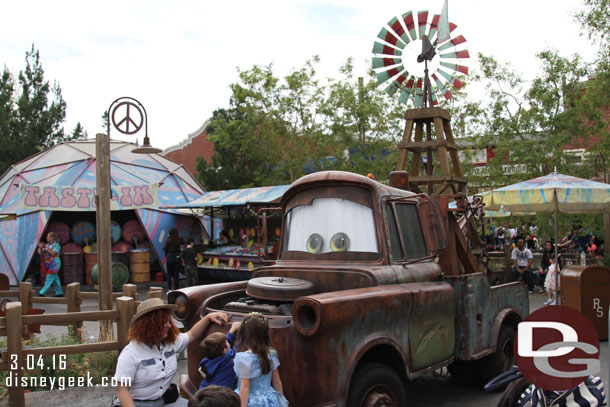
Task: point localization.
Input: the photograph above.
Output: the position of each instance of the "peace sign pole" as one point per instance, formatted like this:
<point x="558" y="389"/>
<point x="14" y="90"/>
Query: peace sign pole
<point x="127" y="116"/>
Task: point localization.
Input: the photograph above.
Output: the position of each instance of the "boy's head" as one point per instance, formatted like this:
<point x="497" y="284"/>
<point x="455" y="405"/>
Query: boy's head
<point x="215" y="345"/>
<point x="190" y="241"/>
<point x="215" y="396"/>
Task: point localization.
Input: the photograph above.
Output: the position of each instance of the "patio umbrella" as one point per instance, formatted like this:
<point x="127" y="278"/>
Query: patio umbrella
<point x="551" y="193"/>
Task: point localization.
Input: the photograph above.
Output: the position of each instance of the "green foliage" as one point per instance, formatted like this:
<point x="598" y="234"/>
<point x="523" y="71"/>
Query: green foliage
<point x="97" y="365"/>
<point x="530" y="124"/>
<point x="31" y="113"/>
<point x="277" y="129"/>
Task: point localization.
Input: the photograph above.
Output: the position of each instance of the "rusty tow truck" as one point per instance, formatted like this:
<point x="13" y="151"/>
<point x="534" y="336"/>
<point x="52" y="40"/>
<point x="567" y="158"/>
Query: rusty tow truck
<point x="374" y="285"/>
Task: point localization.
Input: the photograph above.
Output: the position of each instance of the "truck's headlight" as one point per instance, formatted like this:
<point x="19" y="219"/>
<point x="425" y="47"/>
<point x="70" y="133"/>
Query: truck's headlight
<point x="182" y="302"/>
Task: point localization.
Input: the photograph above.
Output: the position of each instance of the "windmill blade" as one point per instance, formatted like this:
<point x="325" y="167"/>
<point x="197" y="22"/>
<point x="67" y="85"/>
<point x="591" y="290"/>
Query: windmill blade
<point x="396" y="85"/>
<point x="404" y="96"/>
<point x="390" y="38"/>
<point x="385" y="62"/>
<point x="433" y="26"/>
<point x="453" y="42"/>
<point x="458" y="54"/>
<point x="442" y="87"/>
<point x="399" y="30"/>
<point x="419" y="94"/>
<point x="410" y="24"/>
<point x="422" y="21"/>
<point x="384" y="49"/>
<point x="452" y="79"/>
<point x="390" y="73"/>
<point x="458" y="68"/>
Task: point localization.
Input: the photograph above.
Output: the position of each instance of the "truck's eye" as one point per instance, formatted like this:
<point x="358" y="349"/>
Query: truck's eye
<point x="314" y="243"/>
<point x="339" y="242"/>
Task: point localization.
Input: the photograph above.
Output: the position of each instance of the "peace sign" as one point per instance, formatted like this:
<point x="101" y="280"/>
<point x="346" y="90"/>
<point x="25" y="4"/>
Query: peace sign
<point x="128" y="119"/>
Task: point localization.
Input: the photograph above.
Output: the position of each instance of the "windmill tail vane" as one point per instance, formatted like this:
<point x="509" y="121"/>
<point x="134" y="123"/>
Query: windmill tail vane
<point x="392" y="64"/>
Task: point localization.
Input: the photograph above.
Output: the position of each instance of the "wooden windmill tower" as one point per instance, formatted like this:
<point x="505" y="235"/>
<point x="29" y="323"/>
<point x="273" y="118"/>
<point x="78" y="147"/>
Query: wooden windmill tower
<point x="427" y="134"/>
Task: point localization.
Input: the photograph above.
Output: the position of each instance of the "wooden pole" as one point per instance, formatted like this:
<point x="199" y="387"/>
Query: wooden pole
<point x="126" y="307"/>
<point x="15" y="356"/>
<point x="130" y="290"/>
<point x="155" y="292"/>
<point x="74" y="305"/>
<point x="102" y="157"/>
<point x="25" y="292"/>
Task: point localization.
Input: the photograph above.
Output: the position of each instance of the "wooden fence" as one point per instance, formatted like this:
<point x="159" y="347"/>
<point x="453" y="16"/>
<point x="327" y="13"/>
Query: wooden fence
<point x="14" y="326"/>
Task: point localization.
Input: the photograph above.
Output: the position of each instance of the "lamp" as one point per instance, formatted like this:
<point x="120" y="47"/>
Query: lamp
<point x="146" y="148"/>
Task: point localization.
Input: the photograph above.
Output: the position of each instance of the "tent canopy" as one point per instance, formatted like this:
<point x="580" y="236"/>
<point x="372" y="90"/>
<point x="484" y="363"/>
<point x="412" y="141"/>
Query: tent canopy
<point x="73" y="164"/>
<point x="235" y="197"/>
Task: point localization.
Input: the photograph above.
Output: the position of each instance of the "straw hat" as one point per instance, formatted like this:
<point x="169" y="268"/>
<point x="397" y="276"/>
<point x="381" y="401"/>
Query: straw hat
<point x="152" y="304"/>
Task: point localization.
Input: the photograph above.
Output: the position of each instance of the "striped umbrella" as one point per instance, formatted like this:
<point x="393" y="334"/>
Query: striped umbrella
<point x="551" y="193"/>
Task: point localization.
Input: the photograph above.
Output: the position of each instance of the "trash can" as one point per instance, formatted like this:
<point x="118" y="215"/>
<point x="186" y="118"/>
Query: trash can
<point x="585" y="289"/>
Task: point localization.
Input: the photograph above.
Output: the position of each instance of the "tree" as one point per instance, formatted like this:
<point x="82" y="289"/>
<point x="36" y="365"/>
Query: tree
<point x="528" y="125"/>
<point x="31" y="113"/>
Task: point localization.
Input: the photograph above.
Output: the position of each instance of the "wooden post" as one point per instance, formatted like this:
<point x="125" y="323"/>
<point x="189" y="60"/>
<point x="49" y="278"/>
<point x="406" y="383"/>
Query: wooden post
<point x="25" y="292"/>
<point x="155" y="292"/>
<point x="102" y="215"/>
<point x="74" y="302"/>
<point x="126" y="307"/>
<point x="14" y="353"/>
<point x="130" y="290"/>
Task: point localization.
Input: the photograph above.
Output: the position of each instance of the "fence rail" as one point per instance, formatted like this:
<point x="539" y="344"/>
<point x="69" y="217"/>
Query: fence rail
<point x="15" y="325"/>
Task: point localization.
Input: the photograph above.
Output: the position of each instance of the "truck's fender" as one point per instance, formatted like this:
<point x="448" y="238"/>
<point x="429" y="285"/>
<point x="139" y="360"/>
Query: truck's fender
<point x="508" y="316"/>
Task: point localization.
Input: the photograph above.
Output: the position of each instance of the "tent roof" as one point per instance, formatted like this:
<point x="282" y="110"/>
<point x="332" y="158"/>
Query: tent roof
<point x="73" y="163"/>
<point x="236" y="197"/>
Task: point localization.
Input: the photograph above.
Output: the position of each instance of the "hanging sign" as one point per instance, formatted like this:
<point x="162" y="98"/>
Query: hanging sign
<point x="80" y="198"/>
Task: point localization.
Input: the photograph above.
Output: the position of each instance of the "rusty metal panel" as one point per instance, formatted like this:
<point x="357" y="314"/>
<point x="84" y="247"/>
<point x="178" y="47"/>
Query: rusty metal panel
<point x="478" y="304"/>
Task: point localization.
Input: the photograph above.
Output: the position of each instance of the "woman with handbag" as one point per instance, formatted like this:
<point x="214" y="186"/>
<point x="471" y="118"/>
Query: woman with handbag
<point x="147" y="365"/>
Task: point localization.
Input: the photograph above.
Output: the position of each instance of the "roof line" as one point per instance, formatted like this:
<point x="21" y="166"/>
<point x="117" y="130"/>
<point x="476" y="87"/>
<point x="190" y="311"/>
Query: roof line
<point x="188" y="139"/>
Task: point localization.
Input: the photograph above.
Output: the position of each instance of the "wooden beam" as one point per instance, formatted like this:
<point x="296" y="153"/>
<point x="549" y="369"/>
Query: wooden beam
<point x="427" y="113"/>
<point x="50" y="319"/>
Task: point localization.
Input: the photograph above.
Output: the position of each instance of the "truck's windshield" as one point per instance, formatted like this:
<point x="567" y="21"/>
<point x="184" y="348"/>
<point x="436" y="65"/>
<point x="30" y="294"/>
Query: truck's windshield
<point x="330" y="228"/>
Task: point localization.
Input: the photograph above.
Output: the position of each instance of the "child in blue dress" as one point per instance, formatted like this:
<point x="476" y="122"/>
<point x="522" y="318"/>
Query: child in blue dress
<point x="259" y="383"/>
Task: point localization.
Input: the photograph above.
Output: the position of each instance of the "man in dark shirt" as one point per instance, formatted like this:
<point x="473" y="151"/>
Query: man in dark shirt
<point x="189" y="261"/>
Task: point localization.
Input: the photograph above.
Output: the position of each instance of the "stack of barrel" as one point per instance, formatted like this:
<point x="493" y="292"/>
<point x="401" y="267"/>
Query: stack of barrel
<point x="79" y="250"/>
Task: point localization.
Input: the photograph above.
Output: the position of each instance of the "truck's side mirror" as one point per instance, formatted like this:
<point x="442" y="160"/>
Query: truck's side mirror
<point x="431" y="218"/>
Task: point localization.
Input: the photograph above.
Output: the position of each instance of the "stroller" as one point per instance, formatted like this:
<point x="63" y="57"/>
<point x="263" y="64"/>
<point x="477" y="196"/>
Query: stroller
<point x="520" y="393"/>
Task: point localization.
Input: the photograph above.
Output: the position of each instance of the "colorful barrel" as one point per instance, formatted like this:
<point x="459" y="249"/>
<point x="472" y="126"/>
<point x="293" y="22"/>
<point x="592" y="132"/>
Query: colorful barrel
<point x="72" y="265"/>
<point x="121" y="247"/>
<point x="121" y="257"/>
<point x="90" y="261"/>
<point x="139" y="266"/>
<point x="120" y="275"/>
<point x="145" y="245"/>
<point x="83" y="232"/>
<point x="61" y="229"/>
<point x="132" y="231"/>
<point x="115" y="231"/>
<point x="92" y="248"/>
<point x="71" y="248"/>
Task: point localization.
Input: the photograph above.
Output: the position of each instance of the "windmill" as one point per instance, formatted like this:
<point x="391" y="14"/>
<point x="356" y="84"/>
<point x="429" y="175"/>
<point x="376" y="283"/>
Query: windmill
<point x="399" y="51"/>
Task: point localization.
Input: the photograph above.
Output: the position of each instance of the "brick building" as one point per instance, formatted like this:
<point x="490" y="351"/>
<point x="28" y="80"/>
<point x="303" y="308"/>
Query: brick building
<point x="194" y="145"/>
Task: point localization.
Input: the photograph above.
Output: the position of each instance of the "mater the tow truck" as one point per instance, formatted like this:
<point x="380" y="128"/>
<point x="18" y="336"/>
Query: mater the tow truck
<point x="374" y="285"/>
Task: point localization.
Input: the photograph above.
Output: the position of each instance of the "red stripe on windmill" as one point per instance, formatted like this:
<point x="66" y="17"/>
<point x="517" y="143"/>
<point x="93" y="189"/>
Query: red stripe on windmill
<point x="402" y="46"/>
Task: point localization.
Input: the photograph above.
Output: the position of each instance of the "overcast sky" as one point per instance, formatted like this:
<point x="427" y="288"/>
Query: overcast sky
<point x="178" y="58"/>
